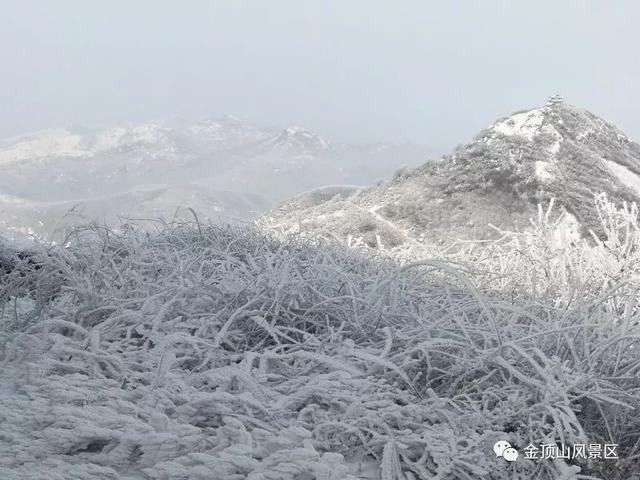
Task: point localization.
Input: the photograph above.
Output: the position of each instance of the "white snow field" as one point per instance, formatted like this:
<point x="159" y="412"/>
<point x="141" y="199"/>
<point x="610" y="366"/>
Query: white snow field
<point x="628" y="178"/>
<point x="222" y="353"/>
<point x="525" y="124"/>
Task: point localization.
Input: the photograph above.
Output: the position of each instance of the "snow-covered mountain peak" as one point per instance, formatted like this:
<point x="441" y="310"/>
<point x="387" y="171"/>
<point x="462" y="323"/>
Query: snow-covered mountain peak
<point x="152" y="133"/>
<point x="59" y="142"/>
<point x="532" y="140"/>
<point x="556" y="151"/>
<point x="300" y="138"/>
<point x="526" y="124"/>
<point x="226" y="132"/>
<point x="296" y="130"/>
<point x="529" y="124"/>
<point x="142" y="138"/>
<point x="557" y="120"/>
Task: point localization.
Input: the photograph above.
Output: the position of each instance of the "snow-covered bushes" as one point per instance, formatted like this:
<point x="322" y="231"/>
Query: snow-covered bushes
<point x="223" y="353"/>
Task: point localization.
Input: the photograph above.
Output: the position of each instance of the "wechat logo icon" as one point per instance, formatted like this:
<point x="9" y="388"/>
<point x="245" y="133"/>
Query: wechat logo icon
<point x="505" y="450"/>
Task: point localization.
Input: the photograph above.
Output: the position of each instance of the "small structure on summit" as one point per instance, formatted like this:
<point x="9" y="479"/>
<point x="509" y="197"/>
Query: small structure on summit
<point x="555" y="100"/>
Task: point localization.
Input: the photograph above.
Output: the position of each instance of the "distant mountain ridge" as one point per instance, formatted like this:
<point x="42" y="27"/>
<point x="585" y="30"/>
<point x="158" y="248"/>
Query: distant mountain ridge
<point x="223" y="168"/>
<point x="555" y="151"/>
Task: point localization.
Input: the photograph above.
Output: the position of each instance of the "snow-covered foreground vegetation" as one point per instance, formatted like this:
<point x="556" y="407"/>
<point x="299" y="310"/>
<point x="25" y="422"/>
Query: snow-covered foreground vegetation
<point x="224" y="353"/>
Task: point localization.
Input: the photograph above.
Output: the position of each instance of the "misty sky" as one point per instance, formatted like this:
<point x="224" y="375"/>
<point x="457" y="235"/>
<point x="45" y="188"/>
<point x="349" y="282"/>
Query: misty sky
<point x="360" y="71"/>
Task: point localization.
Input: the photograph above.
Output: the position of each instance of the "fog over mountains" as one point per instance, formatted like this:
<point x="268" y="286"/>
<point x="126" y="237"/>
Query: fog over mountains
<point x="224" y="169"/>
<point x="229" y="170"/>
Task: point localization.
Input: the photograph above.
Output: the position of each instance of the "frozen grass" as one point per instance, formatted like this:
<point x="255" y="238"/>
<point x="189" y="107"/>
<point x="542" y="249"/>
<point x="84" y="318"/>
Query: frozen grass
<point x="223" y="353"/>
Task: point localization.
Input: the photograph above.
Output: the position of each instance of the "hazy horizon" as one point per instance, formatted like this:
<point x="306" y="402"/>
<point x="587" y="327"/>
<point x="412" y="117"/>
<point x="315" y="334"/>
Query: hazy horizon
<point x="360" y="72"/>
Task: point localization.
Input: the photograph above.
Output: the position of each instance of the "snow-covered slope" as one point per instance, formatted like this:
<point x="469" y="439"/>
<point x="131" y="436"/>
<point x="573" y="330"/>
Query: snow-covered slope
<point x="223" y="168"/>
<point x="217" y="353"/>
<point x="555" y="151"/>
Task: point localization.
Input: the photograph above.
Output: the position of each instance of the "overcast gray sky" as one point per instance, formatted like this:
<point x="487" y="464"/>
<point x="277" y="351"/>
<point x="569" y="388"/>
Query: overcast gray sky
<point x="424" y="71"/>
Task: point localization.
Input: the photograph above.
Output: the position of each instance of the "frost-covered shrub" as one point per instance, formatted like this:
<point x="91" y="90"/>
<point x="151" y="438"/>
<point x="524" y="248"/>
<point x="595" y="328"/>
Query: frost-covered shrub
<point x="225" y="353"/>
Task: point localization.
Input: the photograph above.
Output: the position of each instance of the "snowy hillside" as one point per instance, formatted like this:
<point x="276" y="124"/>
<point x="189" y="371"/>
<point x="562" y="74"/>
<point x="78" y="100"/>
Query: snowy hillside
<point x="218" y="353"/>
<point x="224" y="169"/>
<point x="189" y="351"/>
<point x="555" y="151"/>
